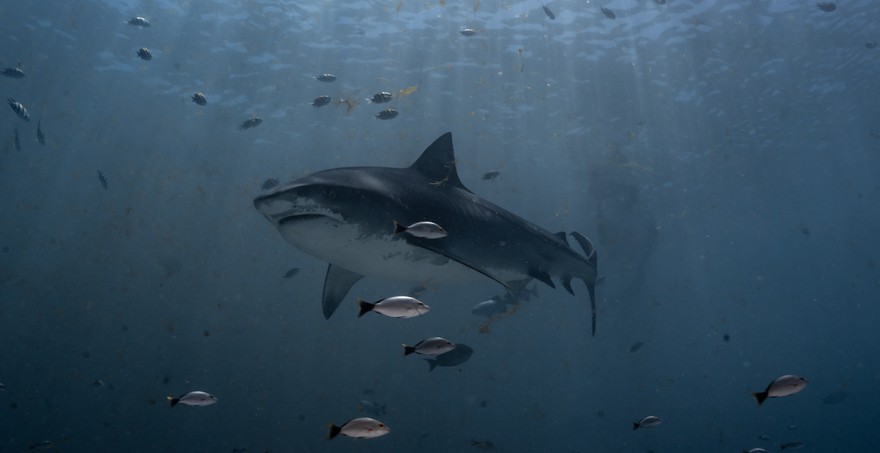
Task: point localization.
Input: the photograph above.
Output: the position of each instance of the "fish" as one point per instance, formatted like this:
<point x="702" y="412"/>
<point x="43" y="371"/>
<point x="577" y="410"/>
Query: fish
<point x="430" y="346"/>
<point x="548" y="12"/>
<point x="41" y="137"/>
<point x="371" y="407"/>
<point x="16" y="140"/>
<point x="635" y="347"/>
<point x="325" y="78"/>
<point x="791" y="445"/>
<point x="826" y="6"/>
<point x="19" y="109"/>
<point x="782" y="386"/>
<point x="139" y="22"/>
<point x="387" y="114"/>
<point x="290" y="273"/>
<point x="2" y="387"/>
<point x="103" y="179"/>
<point x="144" y="54"/>
<point x="320" y="211"/>
<point x="834" y="398"/>
<point x="199" y="98"/>
<point x="97" y="383"/>
<point x="427" y="230"/>
<point x="490" y="175"/>
<point x="608" y="13"/>
<point x="13" y="73"/>
<point x="359" y="428"/>
<point x="490" y="307"/>
<point x="321" y="101"/>
<point x="394" y="307"/>
<point x="647" y="422"/>
<point x="381" y="97"/>
<point x="468" y="31"/>
<point x="251" y="122"/>
<point x="458" y="355"/>
<point x="755" y="450"/>
<point x="194" y="398"/>
<point x="43" y="445"/>
<point x="268" y="184"/>
<point x="764" y="437"/>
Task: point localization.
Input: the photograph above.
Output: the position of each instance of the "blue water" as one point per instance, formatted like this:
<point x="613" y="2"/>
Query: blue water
<point x="723" y="156"/>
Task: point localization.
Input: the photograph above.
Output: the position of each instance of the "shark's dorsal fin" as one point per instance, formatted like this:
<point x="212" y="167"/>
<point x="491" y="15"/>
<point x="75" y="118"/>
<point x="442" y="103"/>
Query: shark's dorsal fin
<point x="437" y="163"/>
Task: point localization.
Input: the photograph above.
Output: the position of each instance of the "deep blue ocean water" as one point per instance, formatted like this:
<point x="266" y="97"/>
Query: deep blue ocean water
<point x="722" y="155"/>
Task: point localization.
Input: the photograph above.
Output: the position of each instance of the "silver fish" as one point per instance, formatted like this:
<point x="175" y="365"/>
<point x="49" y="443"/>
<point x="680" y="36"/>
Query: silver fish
<point x="489" y="308"/>
<point x="360" y="428"/>
<point x="381" y="97"/>
<point x="387" y="114"/>
<point x="468" y="31"/>
<point x="139" y="22"/>
<point x="194" y="398"/>
<point x="395" y="307"/>
<point x="19" y="109"/>
<point x="199" y="98"/>
<point x="427" y="230"/>
<point x="14" y="73"/>
<point x="755" y="450"/>
<point x="251" y="122"/>
<point x="430" y="346"/>
<point x="144" y="54"/>
<point x="647" y="422"/>
<point x="782" y="386"/>
<point x="321" y="101"/>
<point x="325" y="78"/>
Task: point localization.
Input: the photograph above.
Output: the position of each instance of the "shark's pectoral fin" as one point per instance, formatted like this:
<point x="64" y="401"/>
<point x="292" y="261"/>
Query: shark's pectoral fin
<point x="337" y="283"/>
<point x="589" y="280"/>
<point x="434" y="245"/>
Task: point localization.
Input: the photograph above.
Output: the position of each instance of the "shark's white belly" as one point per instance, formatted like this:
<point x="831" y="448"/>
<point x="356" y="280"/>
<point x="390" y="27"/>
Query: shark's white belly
<point x="385" y="257"/>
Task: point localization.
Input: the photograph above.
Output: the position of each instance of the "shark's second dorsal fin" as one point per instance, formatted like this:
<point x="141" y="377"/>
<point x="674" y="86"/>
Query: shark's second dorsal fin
<point x="437" y="163"/>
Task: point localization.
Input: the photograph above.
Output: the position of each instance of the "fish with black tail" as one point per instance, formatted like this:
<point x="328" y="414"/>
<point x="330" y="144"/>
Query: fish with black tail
<point x="321" y="101"/>
<point x="251" y="122"/>
<point x="194" y="398"/>
<point x="19" y="109"/>
<point x="359" y="428"/>
<point x="41" y="137"/>
<point x="144" y="54"/>
<point x="647" y="422"/>
<point x="782" y="386"/>
<point x="430" y="346"/>
<point x="387" y="114"/>
<point x="103" y="180"/>
<point x="381" y="97"/>
<point x="13" y="73"/>
<point x="394" y="307"/>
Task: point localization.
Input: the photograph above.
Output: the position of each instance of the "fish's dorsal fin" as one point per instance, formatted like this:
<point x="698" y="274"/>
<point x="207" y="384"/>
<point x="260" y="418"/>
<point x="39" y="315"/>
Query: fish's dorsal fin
<point x="437" y="163"/>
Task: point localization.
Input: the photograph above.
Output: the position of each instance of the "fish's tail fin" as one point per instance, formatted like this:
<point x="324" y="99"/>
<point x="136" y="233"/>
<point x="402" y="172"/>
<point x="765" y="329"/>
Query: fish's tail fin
<point x="172" y="400"/>
<point x="333" y="431"/>
<point x="398" y="228"/>
<point x="760" y="397"/>
<point x="365" y="306"/>
<point x="635" y="426"/>
<point x="589" y="276"/>
<point x="407" y="350"/>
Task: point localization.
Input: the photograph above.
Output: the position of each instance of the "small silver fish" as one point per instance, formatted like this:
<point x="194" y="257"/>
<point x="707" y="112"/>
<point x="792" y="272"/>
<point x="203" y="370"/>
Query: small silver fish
<point x="381" y="97"/>
<point x="782" y="386"/>
<point x="430" y="346"/>
<point x="139" y="22"/>
<point x="251" y="122"/>
<point x="2" y="387"/>
<point x="359" y="428"/>
<point x="755" y="450"/>
<point x="194" y="398"/>
<point x="608" y="13"/>
<point x="19" y="109"/>
<point x="144" y="54"/>
<point x="97" y="383"/>
<point x="427" y="230"/>
<point x="387" y="114"/>
<point x="199" y="98"/>
<point x="321" y="101"/>
<point x="395" y="307"/>
<point x="14" y="73"/>
<point x="647" y="422"/>
<point x="371" y="407"/>
<point x="41" y="137"/>
<point x="468" y="32"/>
<point x="489" y="308"/>
<point x="43" y="445"/>
<point x="325" y="78"/>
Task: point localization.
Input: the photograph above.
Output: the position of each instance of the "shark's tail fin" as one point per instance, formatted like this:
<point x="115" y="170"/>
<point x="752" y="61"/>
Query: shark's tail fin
<point x="590" y="278"/>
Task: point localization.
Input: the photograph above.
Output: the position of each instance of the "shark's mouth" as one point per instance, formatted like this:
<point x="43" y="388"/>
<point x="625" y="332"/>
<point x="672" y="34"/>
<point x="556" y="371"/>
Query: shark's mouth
<point x="306" y="217"/>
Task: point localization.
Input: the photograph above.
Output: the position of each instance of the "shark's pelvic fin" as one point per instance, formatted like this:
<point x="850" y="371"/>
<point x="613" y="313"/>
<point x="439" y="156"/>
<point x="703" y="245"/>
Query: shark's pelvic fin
<point x="337" y="283"/>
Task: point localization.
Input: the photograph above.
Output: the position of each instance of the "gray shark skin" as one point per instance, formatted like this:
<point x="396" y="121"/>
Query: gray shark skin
<point x="346" y="216"/>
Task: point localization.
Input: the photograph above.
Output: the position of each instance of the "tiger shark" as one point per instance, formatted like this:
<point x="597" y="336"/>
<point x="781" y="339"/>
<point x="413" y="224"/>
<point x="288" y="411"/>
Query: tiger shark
<point x="346" y="216"/>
